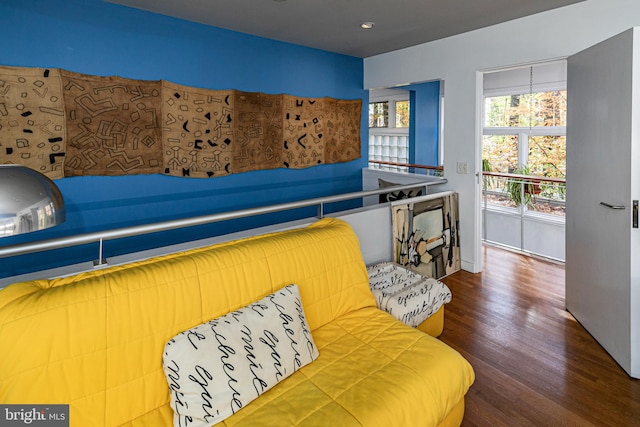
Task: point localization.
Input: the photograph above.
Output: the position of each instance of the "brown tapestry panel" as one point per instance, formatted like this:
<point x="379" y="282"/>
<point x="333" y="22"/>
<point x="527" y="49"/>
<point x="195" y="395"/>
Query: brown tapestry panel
<point x="258" y="131"/>
<point x="113" y="125"/>
<point x="344" y="143"/>
<point x="32" y="128"/>
<point x="197" y="131"/>
<point x="306" y="123"/>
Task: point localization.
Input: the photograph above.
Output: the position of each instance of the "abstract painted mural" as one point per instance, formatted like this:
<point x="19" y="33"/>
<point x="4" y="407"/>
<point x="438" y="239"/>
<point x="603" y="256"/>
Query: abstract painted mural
<point x="425" y="234"/>
<point x="63" y="123"/>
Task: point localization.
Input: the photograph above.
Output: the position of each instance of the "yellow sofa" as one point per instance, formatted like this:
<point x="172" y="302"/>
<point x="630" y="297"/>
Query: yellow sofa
<point x="95" y="340"/>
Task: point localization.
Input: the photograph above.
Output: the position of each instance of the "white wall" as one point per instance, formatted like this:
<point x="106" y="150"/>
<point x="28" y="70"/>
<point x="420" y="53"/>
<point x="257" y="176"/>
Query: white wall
<point x="458" y="60"/>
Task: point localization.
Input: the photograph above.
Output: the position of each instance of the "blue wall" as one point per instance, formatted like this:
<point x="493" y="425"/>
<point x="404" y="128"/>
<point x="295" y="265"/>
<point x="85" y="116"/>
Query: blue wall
<point x="99" y="38"/>
<point x="425" y="119"/>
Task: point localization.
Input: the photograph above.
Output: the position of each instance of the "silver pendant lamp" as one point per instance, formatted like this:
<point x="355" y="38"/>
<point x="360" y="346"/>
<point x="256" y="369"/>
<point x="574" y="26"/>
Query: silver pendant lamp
<point x="29" y="201"/>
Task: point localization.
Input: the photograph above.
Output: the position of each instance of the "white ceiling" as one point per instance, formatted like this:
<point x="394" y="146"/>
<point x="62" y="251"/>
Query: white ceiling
<point x="334" y="25"/>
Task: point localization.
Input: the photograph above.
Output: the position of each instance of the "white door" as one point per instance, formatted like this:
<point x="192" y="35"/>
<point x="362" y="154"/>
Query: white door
<point x="603" y="179"/>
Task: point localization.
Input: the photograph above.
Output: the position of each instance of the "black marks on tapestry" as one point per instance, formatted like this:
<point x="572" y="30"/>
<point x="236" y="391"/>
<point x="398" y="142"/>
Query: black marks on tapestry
<point x="63" y="123"/>
<point x="113" y="125"/>
<point x="197" y="131"/>
<point x="32" y="119"/>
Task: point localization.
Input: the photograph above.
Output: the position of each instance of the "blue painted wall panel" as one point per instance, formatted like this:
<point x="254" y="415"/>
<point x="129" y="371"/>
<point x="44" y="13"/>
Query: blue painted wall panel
<point x="425" y="117"/>
<point x="99" y="38"/>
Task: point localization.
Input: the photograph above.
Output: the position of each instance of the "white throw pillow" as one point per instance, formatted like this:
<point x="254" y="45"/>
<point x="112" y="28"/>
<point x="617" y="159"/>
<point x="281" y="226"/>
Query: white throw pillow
<point x="405" y="294"/>
<point x="216" y="368"/>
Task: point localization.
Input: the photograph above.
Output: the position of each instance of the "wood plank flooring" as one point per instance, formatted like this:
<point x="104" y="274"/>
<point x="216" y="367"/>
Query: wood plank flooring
<point x="535" y="364"/>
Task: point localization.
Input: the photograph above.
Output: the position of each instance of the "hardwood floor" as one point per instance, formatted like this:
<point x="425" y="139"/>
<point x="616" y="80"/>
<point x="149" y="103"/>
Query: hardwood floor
<point x="535" y="364"/>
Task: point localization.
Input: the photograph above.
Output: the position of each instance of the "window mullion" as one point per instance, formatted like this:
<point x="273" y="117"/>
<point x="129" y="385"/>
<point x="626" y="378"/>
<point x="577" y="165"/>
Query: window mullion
<point x="523" y="149"/>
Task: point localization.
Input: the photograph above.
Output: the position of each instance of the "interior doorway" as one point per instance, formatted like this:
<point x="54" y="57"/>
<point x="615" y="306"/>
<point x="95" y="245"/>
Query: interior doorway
<point x="523" y="148"/>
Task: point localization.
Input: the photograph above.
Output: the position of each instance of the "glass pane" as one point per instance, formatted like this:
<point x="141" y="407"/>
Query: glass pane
<point x="548" y="156"/>
<point x="402" y="114"/>
<point x="524" y="110"/>
<point x="550" y="199"/>
<point x="379" y="114"/>
<point x="500" y="153"/>
<point x="497" y="191"/>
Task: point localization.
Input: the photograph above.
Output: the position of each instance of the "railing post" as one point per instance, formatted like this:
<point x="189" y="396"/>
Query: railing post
<point x="484" y="216"/>
<point x="101" y="259"/>
<point x="523" y="206"/>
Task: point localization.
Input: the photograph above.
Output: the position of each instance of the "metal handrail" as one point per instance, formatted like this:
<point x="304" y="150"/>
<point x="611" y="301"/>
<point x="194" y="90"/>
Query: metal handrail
<point x="525" y="177"/>
<point x="408" y="165"/>
<point x="137" y="230"/>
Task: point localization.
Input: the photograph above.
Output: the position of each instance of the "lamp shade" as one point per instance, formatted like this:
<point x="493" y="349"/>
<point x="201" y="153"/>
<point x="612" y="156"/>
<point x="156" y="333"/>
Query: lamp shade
<point x="29" y="201"/>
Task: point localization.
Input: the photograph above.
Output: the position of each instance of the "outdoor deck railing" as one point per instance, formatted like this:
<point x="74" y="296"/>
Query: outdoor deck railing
<point x="526" y="196"/>
<point x="525" y="192"/>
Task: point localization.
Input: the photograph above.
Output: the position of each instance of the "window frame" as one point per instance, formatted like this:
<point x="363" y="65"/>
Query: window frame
<point x="391" y="130"/>
<point x="369" y="112"/>
<point x="523" y="134"/>
<point x="391" y="110"/>
<point x="395" y="115"/>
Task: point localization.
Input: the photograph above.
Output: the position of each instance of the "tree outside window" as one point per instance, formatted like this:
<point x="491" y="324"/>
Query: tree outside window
<point x="379" y="114"/>
<point x="526" y="133"/>
<point x="527" y="110"/>
<point x="501" y="152"/>
<point x="548" y="156"/>
<point x="402" y="114"/>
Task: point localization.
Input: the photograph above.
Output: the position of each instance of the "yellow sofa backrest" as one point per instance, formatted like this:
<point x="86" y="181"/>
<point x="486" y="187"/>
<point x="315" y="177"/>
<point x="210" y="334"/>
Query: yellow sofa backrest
<point x="95" y="340"/>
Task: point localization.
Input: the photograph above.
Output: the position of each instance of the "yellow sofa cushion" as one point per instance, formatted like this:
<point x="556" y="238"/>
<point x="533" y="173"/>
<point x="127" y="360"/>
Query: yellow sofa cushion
<point x="372" y="371"/>
<point x="95" y="340"/>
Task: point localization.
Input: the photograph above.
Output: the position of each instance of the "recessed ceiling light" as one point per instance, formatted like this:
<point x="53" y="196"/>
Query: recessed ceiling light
<point x="367" y="25"/>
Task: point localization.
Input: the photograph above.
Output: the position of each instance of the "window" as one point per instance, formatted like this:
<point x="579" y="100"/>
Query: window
<point x="389" y="128"/>
<point x="524" y="133"/>
<point x="527" y="130"/>
<point x="527" y="110"/>
<point x="402" y="114"/>
<point x="391" y="143"/>
<point x="379" y="114"/>
<point x="501" y="152"/>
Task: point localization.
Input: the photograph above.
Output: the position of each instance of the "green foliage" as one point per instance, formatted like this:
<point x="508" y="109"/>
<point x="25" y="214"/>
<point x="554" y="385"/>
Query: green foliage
<point x="518" y="194"/>
<point x="402" y="114"/>
<point x="524" y="110"/>
<point x="546" y="154"/>
<point x="486" y="167"/>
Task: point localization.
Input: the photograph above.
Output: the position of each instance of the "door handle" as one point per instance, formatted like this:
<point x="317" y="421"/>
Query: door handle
<point x="635" y="214"/>
<point x="617" y="207"/>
